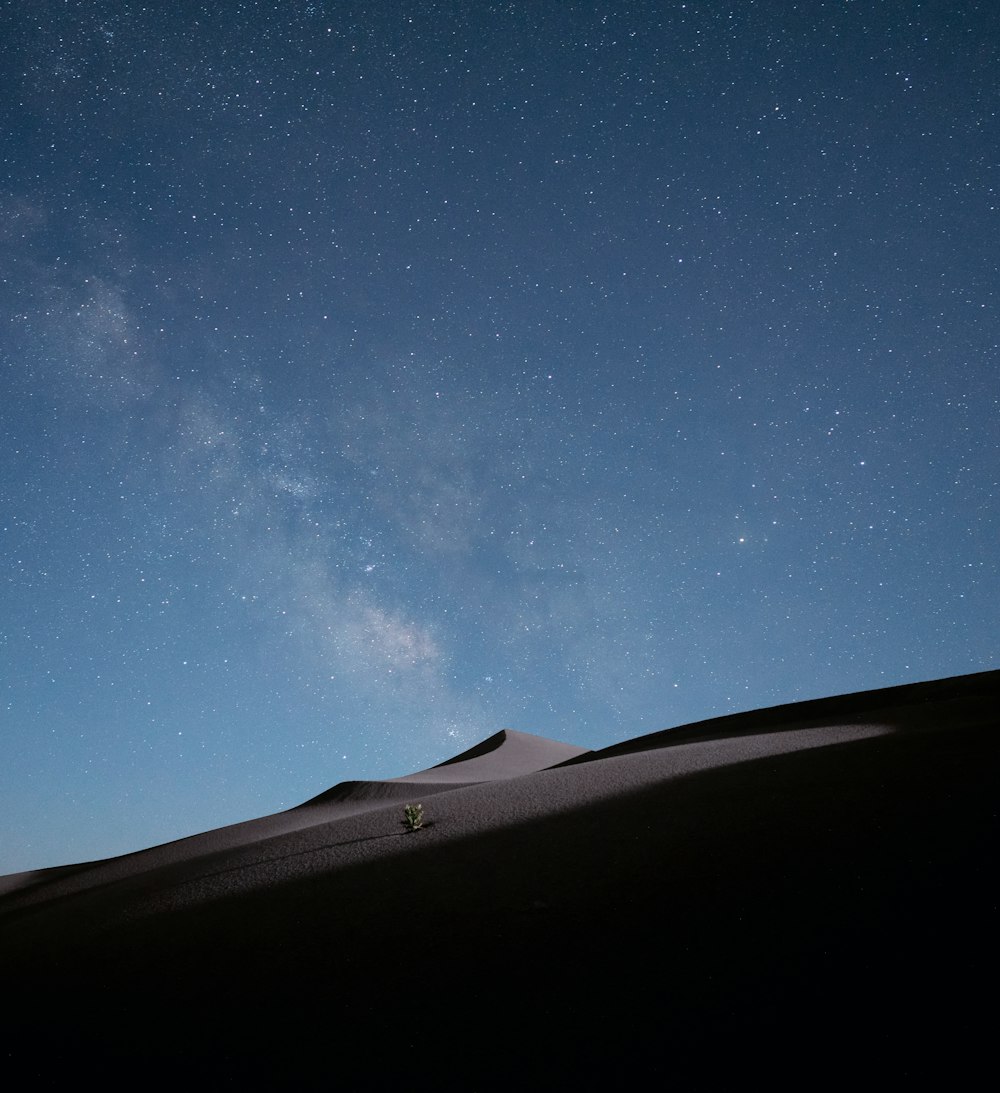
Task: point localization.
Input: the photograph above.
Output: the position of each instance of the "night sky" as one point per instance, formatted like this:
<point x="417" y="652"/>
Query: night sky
<point x="376" y="376"/>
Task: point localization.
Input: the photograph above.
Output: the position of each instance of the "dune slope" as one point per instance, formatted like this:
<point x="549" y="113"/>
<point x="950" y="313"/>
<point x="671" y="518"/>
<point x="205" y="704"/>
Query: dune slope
<point x="807" y="887"/>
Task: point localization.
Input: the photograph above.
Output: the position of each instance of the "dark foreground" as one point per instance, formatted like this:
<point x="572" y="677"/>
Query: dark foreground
<point x="799" y="897"/>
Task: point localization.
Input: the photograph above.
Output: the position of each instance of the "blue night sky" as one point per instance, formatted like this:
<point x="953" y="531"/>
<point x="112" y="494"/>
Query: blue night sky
<point x="376" y="376"/>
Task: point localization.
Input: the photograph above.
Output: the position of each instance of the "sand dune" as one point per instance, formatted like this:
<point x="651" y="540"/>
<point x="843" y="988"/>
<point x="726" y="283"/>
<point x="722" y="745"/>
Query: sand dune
<point x="506" y="754"/>
<point x="736" y="895"/>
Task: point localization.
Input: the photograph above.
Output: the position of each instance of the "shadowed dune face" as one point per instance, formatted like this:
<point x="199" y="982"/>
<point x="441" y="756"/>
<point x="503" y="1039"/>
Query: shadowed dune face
<point x="803" y="887"/>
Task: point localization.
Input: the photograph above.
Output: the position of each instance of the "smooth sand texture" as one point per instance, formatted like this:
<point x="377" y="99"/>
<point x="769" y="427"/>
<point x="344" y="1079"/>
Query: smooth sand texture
<point x="796" y="896"/>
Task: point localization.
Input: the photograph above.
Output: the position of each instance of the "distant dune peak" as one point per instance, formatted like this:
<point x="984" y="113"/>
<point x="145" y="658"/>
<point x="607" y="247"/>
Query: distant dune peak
<point x="505" y="754"/>
<point x="484" y="747"/>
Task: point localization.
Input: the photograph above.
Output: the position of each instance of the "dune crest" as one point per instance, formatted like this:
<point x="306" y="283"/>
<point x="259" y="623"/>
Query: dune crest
<point x="505" y="754"/>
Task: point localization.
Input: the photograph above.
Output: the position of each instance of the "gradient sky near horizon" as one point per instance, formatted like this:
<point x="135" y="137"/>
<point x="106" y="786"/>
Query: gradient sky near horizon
<point x="379" y="375"/>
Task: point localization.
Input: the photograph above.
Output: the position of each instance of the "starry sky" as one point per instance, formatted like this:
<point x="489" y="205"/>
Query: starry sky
<point x="376" y="376"/>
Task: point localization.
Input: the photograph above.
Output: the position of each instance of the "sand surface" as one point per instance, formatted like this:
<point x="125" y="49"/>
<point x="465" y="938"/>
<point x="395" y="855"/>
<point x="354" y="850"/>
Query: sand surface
<point x="806" y="887"/>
